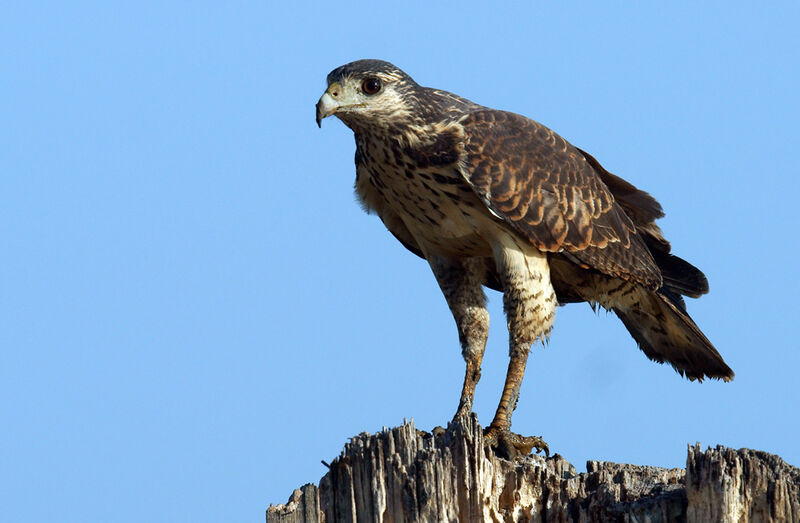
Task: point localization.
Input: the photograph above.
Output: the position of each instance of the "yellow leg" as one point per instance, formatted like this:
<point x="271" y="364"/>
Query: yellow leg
<point x="498" y="434"/>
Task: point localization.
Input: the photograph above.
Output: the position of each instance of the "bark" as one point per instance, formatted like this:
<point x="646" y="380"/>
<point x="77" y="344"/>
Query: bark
<point x="403" y="474"/>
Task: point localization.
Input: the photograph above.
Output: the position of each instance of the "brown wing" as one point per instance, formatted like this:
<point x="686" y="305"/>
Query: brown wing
<point x="678" y="275"/>
<point x="547" y="190"/>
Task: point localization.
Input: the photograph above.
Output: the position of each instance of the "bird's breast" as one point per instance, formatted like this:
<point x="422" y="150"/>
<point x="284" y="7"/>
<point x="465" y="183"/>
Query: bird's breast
<point x="435" y="203"/>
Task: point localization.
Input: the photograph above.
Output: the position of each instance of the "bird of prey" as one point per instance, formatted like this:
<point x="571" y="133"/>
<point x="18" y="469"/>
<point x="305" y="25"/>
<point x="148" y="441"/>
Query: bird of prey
<point x="491" y="198"/>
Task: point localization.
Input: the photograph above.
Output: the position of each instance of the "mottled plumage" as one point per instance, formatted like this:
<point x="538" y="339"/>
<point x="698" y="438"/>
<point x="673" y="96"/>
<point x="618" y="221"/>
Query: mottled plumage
<point x="491" y="198"/>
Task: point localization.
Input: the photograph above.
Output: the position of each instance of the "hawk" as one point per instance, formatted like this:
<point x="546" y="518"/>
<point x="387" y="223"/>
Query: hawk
<point x="493" y="199"/>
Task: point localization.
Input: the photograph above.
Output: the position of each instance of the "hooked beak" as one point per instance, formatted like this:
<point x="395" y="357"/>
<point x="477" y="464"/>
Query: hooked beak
<point x="328" y="103"/>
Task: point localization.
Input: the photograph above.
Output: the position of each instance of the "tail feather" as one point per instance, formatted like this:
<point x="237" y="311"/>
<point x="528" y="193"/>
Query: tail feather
<point x="666" y="333"/>
<point x="657" y="320"/>
<point x="677" y="274"/>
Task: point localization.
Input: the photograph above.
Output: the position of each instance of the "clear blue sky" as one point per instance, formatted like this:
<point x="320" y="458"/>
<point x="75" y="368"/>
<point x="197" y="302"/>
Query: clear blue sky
<point x="194" y="311"/>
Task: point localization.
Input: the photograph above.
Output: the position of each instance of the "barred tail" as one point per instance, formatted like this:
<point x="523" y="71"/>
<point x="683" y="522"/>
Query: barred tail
<point x="665" y="333"/>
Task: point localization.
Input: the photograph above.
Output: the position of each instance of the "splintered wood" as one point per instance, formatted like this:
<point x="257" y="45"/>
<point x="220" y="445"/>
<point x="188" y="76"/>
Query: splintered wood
<point x="403" y="474"/>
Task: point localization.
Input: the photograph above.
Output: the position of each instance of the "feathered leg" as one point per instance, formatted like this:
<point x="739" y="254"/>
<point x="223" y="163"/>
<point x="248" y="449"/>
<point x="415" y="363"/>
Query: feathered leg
<point x="461" y="282"/>
<point x="530" y="302"/>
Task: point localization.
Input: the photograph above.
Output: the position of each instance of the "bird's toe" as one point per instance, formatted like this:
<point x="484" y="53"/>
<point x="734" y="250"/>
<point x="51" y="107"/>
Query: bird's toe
<point x="510" y="446"/>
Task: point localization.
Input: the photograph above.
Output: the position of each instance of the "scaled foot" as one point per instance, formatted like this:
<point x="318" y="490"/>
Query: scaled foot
<point x="508" y="445"/>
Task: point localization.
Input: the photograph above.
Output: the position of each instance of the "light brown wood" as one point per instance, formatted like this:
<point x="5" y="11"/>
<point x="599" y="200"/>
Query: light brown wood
<point x="403" y="474"/>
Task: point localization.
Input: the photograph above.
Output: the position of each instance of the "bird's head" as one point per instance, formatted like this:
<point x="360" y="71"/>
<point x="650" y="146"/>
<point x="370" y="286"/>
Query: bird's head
<point x="368" y="94"/>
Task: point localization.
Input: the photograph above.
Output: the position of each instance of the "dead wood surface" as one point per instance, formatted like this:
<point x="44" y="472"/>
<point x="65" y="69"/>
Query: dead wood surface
<point x="403" y="474"/>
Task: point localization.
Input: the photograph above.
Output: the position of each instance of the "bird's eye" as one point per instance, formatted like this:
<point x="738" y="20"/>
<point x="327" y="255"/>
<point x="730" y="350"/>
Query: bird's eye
<point x="371" y="86"/>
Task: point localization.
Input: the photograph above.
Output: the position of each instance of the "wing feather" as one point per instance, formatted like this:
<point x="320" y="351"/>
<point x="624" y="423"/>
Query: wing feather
<point x="550" y="193"/>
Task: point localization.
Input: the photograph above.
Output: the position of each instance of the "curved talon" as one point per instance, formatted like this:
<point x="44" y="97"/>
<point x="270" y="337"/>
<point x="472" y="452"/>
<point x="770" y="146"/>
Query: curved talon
<point x="510" y="445"/>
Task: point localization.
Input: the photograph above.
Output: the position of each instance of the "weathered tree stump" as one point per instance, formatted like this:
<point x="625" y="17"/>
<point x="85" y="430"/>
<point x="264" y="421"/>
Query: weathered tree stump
<point x="403" y="474"/>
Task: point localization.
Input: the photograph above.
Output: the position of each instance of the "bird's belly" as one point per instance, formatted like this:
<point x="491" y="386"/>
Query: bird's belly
<point x="449" y="238"/>
<point x="440" y="210"/>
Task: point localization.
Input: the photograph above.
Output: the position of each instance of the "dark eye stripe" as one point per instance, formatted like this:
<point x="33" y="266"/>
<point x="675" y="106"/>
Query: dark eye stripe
<point x="371" y="86"/>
